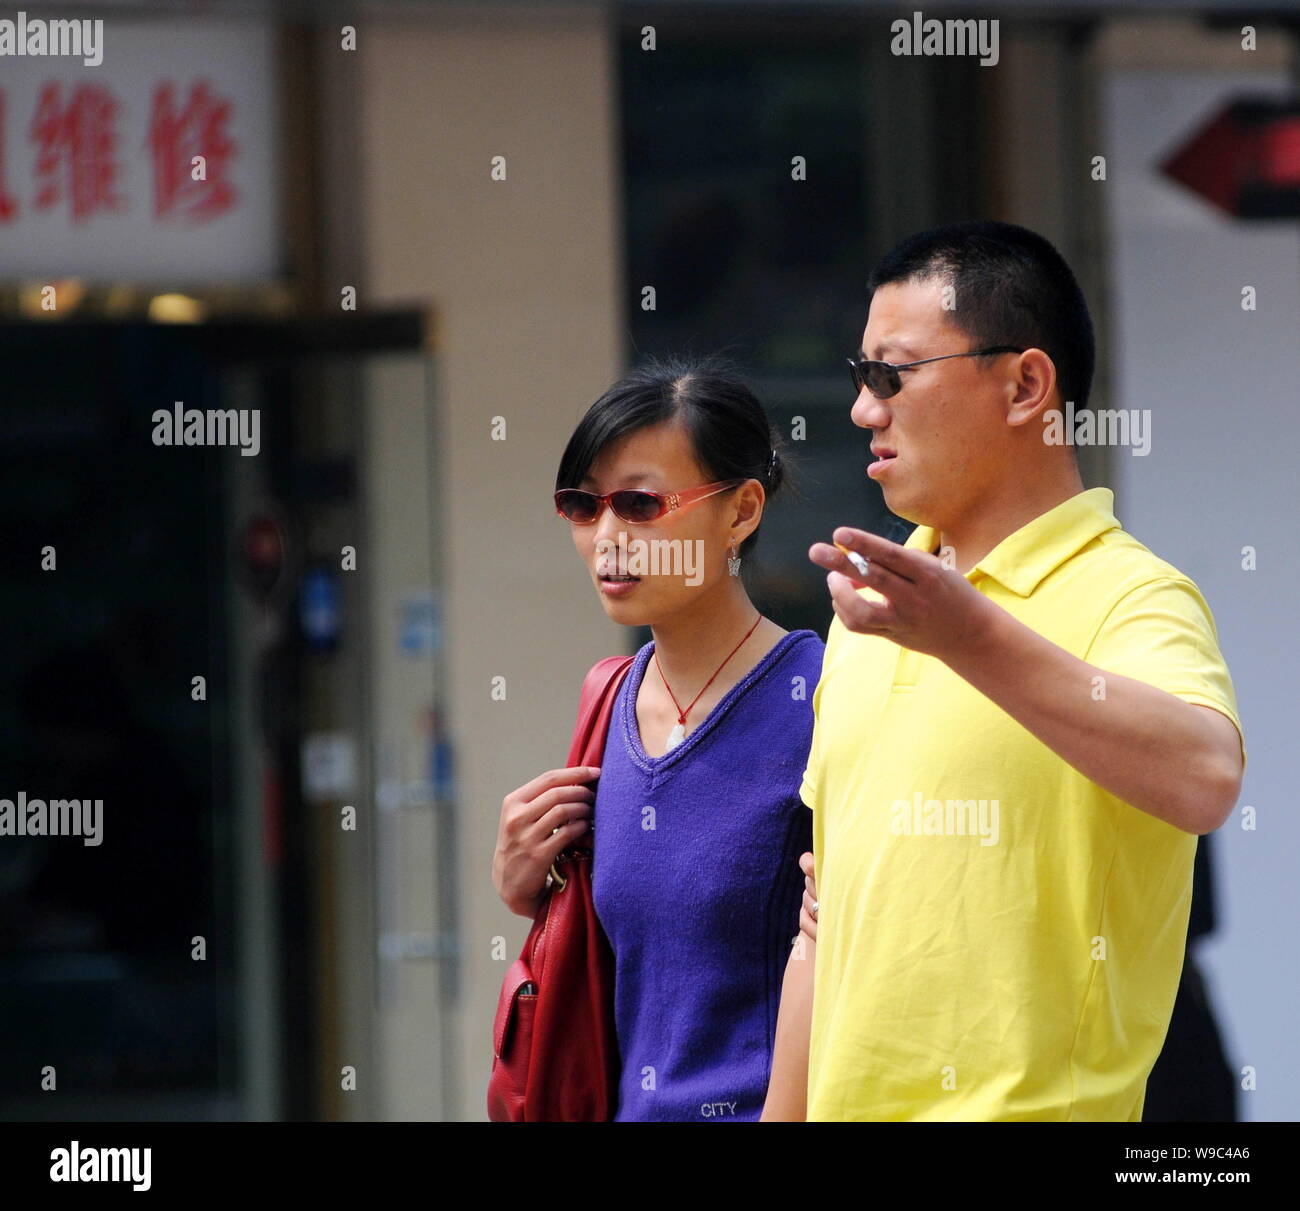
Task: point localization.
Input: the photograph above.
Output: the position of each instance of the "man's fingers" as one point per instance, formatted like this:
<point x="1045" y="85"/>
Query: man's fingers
<point x="879" y="575"/>
<point x="830" y="557"/>
<point x="855" y="611"/>
<point x="889" y="555"/>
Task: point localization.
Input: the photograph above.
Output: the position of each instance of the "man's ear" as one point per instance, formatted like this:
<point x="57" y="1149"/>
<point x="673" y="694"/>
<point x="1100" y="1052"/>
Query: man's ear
<point x="1031" y="389"/>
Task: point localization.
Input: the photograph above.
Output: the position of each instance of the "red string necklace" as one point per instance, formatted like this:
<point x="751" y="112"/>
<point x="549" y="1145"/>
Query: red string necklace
<point x="678" y="734"/>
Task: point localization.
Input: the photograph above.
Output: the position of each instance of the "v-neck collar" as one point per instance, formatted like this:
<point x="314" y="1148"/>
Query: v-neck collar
<point x="632" y="686"/>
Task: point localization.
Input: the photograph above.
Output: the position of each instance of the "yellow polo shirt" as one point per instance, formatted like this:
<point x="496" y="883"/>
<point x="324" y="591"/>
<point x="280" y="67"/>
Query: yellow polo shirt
<point x="998" y="937"/>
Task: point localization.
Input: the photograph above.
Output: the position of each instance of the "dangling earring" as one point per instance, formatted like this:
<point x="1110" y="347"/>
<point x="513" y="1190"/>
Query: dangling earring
<point x="733" y="560"/>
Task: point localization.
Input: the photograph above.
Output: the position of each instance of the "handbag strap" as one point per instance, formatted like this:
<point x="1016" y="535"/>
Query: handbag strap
<point x="595" y="706"/>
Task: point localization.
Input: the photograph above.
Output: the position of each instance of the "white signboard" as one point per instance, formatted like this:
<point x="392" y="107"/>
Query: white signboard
<point x="152" y="161"/>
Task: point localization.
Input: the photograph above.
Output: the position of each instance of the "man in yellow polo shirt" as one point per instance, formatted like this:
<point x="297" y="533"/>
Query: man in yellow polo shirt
<point x="1022" y="725"/>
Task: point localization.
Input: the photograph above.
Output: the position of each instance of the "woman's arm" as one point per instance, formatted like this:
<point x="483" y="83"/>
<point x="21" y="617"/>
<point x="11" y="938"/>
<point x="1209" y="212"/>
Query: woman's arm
<point x="787" y="1089"/>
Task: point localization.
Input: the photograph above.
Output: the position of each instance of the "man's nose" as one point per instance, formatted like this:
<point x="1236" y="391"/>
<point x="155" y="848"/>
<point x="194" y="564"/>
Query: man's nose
<point x="868" y="412"/>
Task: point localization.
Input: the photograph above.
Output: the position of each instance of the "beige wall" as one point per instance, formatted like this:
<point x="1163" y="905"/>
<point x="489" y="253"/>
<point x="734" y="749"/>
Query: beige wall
<point x="525" y="278"/>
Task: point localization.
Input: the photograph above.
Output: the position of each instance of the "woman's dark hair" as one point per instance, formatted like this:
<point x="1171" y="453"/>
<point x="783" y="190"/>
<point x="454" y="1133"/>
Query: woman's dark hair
<point x="729" y="431"/>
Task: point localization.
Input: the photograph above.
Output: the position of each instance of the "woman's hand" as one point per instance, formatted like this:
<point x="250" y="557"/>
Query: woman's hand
<point x="808" y="912"/>
<point x="538" y="820"/>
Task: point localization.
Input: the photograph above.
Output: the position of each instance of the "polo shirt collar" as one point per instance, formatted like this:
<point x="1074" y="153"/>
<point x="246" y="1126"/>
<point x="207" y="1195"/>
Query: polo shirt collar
<point x="1022" y="559"/>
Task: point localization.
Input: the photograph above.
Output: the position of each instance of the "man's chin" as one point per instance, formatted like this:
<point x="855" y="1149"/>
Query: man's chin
<point x="908" y="507"/>
<point x="900" y="503"/>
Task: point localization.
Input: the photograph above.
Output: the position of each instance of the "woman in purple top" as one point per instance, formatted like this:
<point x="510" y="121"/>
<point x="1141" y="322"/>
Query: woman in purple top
<point x="698" y="825"/>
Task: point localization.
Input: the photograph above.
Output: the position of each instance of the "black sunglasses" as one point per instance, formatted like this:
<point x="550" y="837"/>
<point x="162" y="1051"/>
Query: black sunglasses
<point x="881" y="378"/>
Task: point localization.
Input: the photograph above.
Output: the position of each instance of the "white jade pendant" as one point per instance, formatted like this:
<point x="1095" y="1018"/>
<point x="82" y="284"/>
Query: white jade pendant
<point x="676" y="736"/>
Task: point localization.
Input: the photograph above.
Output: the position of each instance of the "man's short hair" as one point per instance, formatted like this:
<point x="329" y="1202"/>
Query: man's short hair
<point x="1012" y="288"/>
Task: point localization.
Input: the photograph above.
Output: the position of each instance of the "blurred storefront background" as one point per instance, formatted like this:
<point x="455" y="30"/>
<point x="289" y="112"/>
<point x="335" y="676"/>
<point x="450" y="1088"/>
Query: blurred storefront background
<point x="419" y="246"/>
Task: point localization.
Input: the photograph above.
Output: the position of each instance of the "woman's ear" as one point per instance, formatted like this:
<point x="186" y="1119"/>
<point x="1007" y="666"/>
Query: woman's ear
<point x="748" y="510"/>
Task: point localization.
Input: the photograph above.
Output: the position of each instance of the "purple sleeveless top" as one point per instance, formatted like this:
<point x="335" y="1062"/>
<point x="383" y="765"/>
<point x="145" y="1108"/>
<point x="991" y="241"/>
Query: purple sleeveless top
<point x="696" y="882"/>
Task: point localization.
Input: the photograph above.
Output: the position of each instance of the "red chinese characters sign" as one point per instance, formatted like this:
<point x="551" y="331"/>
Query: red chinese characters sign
<point x="184" y="138"/>
<point x="74" y="140"/>
<point x="157" y="165"/>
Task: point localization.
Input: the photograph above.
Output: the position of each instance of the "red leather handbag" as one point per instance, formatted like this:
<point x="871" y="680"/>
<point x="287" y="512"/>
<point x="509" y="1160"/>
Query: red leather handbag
<point x="555" y="1052"/>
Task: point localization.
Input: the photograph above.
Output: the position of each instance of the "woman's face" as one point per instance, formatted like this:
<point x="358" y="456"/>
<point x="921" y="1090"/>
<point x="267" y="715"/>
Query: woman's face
<point x="646" y="573"/>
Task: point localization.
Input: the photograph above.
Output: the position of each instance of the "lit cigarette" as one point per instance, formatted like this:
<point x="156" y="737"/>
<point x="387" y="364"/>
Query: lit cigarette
<point x="855" y="559"/>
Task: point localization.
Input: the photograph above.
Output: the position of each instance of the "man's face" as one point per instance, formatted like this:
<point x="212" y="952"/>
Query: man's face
<point x="945" y="428"/>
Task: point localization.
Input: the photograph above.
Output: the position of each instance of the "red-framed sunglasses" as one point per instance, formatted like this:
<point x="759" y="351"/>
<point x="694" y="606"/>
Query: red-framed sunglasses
<point x="636" y="506"/>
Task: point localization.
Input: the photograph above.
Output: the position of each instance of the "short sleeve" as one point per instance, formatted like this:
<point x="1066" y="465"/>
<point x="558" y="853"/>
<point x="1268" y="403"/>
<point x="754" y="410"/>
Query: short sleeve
<point x="808" y="787"/>
<point x="1162" y="633"/>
